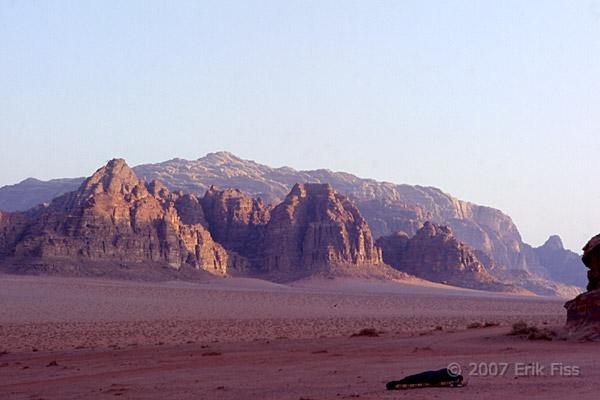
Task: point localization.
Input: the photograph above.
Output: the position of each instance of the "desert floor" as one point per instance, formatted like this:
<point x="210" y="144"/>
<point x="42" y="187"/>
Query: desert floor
<point x="75" y="338"/>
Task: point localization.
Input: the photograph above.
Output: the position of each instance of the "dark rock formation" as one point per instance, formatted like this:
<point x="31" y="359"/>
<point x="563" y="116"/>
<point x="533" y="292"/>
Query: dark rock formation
<point x="591" y="259"/>
<point x="314" y="229"/>
<point x="436" y="255"/>
<point x="115" y="218"/>
<point x="584" y="311"/>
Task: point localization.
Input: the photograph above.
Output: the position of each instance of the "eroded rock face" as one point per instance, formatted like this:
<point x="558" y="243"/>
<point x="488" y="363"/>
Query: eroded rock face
<point x="314" y="227"/>
<point x="435" y="254"/>
<point x="584" y="310"/>
<point x="236" y="221"/>
<point x="115" y="217"/>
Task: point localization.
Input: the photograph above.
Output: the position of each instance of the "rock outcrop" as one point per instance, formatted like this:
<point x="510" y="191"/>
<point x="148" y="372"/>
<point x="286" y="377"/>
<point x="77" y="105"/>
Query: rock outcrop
<point x="583" y="312"/>
<point x="115" y="218"/>
<point x="317" y="229"/>
<point x="236" y="221"/>
<point x="435" y="254"/>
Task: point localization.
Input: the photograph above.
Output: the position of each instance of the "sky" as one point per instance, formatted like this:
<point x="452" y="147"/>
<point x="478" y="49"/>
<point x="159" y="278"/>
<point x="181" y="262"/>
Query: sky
<point x="495" y="102"/>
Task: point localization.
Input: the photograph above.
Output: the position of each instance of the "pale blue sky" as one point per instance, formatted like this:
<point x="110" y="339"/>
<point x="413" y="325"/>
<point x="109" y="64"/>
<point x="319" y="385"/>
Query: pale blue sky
<point x="495" y="102"/>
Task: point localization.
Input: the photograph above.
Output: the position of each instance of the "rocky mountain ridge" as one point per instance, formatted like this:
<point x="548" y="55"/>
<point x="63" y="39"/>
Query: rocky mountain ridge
<point x="115" y="220"/>
<point x="387" y="208"/>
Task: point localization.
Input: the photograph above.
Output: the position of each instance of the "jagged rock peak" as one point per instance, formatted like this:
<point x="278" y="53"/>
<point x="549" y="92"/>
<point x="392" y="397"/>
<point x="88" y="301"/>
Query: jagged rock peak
<point x="554" y="242"/>
<point x="114" y="178"/>
<point x="315" y="227"/>
<point x="115" y="217"/>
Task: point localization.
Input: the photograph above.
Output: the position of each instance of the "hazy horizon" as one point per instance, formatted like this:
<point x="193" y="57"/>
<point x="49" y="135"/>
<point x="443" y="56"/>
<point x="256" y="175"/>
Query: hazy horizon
<point x="493" y="103"/>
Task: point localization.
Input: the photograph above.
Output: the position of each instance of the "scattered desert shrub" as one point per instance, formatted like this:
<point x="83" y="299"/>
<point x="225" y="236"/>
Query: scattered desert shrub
<point x="476" y="325"/>
<point x="519" y="328"/>
<point x="532" y="332"/>
<point x="368" y="332"/>
<point x="211" y="354"/>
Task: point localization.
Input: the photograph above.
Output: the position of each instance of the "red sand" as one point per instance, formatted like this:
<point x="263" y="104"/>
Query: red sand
<point x="245" y="339"/>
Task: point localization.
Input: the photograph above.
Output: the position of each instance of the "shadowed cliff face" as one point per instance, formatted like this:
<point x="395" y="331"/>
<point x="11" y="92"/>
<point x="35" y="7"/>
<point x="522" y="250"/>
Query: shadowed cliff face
<point x="315" y="227"/>
<point x="436" y="255"/>
<point x="591" y="259"/>
<point x="236" y="221"/>
<point x="115" y="217"/>
<point x="584" y="311"/>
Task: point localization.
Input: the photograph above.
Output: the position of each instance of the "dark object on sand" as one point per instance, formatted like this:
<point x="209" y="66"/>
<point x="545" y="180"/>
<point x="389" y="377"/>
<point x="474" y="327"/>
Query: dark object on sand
<point x="441" y="377"/>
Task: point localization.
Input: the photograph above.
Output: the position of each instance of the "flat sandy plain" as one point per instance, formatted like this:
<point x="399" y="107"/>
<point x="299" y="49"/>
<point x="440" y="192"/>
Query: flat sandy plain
<point x="76" y="338"/>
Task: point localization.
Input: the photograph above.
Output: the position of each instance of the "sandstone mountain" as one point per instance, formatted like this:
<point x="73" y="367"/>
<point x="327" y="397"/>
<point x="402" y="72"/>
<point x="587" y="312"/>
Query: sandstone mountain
<point x="115" y="219"/>
<point x="115" y="222"/>
<point x="387" y="207"/>
<point x="561" y="264"/>
<point x="583" y="312"/>
<point x="316" y="229"/>
<point x="435" y="254"/>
